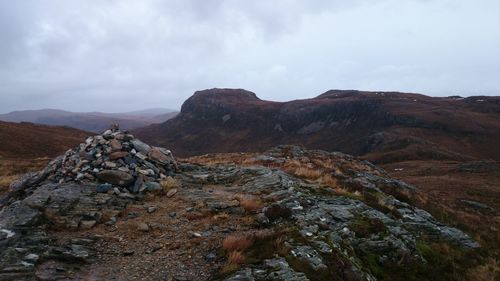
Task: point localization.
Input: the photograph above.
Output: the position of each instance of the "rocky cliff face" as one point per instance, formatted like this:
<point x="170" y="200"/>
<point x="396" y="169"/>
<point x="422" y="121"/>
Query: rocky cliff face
<point x="382" y="125"/>
<point x="117" y="208"/>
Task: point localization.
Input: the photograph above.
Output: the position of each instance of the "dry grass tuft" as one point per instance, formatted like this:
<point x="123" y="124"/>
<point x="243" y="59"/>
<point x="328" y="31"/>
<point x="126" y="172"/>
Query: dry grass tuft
<point x="5" y="181"/>
<point x="485" y="272"/>
<point x="169" y="183"/>
<point x="236" y="243"/>
<point x="221" y="216"/>
<point x="251" y="205"/>
<point x="308" y="173"/>
<point x="329" y="180"/>
<point x="236" y="257"/>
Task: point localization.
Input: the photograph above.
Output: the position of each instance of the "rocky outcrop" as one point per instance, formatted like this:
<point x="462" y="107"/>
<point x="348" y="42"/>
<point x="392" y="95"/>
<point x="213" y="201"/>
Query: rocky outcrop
<point x="318" y="234"/>
<point x="330" y="227"/>
<point x="385" y="126"/>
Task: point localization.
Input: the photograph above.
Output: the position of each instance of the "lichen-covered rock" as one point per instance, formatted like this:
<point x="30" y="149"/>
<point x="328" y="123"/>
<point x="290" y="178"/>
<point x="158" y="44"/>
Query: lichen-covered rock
<point x="276" y="270"/>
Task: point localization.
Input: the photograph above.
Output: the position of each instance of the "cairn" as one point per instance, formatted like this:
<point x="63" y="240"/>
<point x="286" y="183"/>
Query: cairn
<point x="116" y="159"/>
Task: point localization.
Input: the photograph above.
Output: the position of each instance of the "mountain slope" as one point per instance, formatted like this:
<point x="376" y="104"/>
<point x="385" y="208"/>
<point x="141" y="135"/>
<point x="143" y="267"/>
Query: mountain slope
<point x="115" y="208"/>
<point x="26" y="140"/>
<point x="382" y="126"/>
<point x="90" y="121"/>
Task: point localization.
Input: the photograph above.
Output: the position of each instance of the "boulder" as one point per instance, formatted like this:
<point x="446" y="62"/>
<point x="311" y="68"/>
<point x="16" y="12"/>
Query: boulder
<point x="116" y="177"/>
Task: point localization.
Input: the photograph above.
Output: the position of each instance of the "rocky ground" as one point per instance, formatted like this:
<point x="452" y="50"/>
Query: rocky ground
<point x="115" y="208"/>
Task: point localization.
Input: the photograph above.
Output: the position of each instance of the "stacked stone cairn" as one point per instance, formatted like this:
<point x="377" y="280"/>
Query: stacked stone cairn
<point x="118" y="161"/>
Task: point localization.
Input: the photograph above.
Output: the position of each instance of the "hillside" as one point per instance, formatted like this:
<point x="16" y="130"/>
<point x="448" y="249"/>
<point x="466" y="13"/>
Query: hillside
<point x="116" y="208"/>
<point x="90" y="121"/>
<point x="26" y="140"/>
<point x="381" y="126"/>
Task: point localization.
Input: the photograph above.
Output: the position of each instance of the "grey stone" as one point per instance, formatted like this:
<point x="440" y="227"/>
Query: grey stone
<point x="116" y="178"/>
<point x="143" y="227"/>
<point x="140" y="146"/>
<point x="152" y="186"/>
<point x="171" y="192"/>
<point x="103" y="188"/>
<point x="309" y="255"/>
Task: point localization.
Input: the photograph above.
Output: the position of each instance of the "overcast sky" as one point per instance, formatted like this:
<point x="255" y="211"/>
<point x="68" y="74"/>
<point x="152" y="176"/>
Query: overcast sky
<point x="124" y="55"/>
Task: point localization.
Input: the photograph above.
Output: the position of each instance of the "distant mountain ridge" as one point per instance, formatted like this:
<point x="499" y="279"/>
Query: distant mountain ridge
<point x="382" y="126"/>
<point x="90" y="121"/>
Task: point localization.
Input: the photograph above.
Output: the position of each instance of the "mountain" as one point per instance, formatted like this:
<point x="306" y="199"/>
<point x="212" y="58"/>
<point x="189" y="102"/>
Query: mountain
<point x="381" y="126"/>
<point x="90" y="121"/>
<point x="116" y="208"/>
<point x="27" y="140"/>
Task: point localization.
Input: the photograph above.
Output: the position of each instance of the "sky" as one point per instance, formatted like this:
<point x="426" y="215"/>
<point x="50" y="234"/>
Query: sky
<point x="121" y="55"/>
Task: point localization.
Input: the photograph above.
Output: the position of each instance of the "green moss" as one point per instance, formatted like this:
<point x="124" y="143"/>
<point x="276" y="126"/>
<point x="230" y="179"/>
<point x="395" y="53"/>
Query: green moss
<point x="427" y="252"/>
<point x="303" y="266"/>
<point x="371" y="262"/>
<point x="441" y="262"/>
<point x="352" y="196"/>
<point x="364" y="226"/>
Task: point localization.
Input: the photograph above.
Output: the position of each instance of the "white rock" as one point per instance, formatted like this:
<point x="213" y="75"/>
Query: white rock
<point x="8" y="232"/>
<point x="32" y="257"/>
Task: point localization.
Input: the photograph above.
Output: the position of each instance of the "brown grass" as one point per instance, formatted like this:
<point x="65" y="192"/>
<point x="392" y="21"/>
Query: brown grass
<point x="308" y="173"/>
<point x="5" y="181"/>
<point x="236" y="257"/>
<point x="168" y="184"/>
<point x="486" y="272"/>
<point x="27" y="141"/>
<point x="251" y="205"/>
<point x="237" y="243"/>
<point x="12" y="169"/>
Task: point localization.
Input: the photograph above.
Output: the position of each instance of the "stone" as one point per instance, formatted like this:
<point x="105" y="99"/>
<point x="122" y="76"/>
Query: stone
<point x="210" y="257"/>
<point x="171" y="192"/>
<point x="141" y="156"/>
<point x="87" y="224"/>
<point x="152" y="186"/>
<point x="127" y="195"/>
<point x="103" y="188"/>
<point x="157" y="155"/>
<point x="128" y="253"/>
<point x="118" y="155"/>
<point x="143" y="227"/>
<point x="277" y="211"/>
<point x="140" y="146"/>
<point x="124" y="169"/>
<point x="151" y="210"/>
<point x="477" y="205"/>
<point x="137" y="184"/>
<point x="32" y="257"/>
<point x="157" y="226"/>
<point x="132" y="215"/>
<point x="109" y="164"/>
<point x="116" y="178"/>
<point x="115" y="145"/>
<point x="310" y="256"/>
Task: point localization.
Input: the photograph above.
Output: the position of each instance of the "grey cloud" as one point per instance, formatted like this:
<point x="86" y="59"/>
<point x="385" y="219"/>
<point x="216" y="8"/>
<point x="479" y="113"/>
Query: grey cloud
<point x="124" y="55"/>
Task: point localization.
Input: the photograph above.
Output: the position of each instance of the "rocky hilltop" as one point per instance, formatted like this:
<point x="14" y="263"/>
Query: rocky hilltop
<point x="116" y="208"/>
<point x="381" y="126"/>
